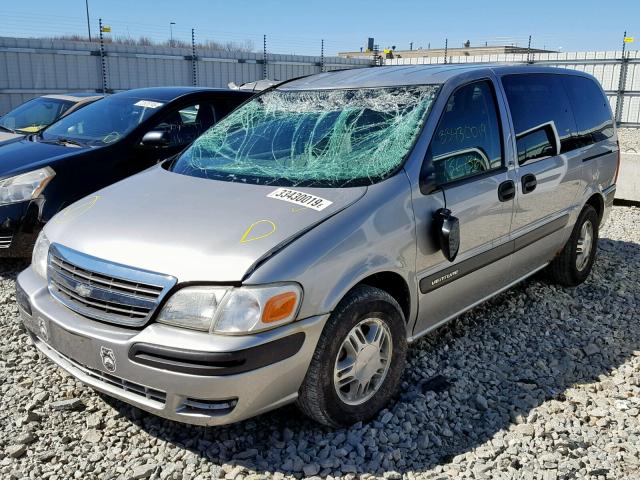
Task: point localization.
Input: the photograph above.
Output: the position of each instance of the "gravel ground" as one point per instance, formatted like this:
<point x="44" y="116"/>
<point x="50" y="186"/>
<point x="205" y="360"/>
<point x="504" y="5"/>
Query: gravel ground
<point x="629" y="139"/>
<point x="539" y="383"/>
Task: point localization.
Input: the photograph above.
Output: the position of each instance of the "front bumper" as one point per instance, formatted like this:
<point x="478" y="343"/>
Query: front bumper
<point x="107" y="358"/>
<point x="20" y="225"/>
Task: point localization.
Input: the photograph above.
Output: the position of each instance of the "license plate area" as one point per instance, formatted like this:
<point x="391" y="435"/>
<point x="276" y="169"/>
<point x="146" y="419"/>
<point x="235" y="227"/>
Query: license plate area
<point x="69" y="344"/>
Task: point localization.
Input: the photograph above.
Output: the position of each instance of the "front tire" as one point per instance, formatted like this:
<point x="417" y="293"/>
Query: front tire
<point x="573" y="265"/>
<point x="359" y="360"/>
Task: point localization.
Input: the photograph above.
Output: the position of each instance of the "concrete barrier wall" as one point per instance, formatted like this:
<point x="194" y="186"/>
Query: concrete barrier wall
<point x="32" y="67"/>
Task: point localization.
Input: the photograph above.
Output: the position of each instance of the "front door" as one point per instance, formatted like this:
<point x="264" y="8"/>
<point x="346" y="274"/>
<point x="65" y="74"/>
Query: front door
<point x="466" y="158"/>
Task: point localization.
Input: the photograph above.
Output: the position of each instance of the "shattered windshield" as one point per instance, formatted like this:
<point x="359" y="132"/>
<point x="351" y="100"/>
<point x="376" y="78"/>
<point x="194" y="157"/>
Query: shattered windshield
<point x="327" y="138"/>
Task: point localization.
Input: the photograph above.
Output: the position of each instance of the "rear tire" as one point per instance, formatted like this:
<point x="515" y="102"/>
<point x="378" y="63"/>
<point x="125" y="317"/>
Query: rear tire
<point x="573" y="265"/>
<point x="348" y="380"/>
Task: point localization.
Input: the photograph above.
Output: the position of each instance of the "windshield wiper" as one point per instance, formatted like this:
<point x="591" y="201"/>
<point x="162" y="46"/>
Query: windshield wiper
<point x="7" y="129"/>
<point x="64" y="141"/>
<point x="69" y="141"/>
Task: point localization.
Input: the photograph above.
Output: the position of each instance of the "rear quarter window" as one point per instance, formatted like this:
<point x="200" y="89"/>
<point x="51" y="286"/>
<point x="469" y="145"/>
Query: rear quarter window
<point x="591" y="109"/>
<point x="539" y="107"/>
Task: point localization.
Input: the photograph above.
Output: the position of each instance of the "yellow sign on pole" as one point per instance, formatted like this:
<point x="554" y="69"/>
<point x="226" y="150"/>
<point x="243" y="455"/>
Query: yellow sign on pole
<point x="106" y="29"/>
<point x="628" y="39"/>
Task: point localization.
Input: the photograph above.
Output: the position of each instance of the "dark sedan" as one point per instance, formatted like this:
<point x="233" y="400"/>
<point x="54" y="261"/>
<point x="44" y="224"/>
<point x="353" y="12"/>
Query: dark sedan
<point x="94" y="147"/>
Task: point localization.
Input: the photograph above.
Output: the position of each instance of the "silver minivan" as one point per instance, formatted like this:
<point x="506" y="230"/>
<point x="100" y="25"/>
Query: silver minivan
<point x="297" y="247"/>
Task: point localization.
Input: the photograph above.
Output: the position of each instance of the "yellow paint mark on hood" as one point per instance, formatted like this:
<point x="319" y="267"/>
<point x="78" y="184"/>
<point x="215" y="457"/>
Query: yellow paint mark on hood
<point x="258" y="230"/>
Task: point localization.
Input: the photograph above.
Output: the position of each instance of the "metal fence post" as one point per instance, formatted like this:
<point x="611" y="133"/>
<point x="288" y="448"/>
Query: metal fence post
<point x="624" y="64"/>
<point x="194" y="59"/>
<point x="264" y="57"/>
<point x="103" y="59"/>
<point x="377" y="59"/>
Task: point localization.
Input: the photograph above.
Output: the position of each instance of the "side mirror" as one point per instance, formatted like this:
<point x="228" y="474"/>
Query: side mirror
<point x="447" y="229"/>
<point x="156" y="138"/>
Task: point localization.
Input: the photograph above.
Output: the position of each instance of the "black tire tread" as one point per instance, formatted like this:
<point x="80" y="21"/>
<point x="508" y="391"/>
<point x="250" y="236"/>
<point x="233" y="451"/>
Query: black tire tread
<point x="562" y="269"/>
<point x="311" y="398"/>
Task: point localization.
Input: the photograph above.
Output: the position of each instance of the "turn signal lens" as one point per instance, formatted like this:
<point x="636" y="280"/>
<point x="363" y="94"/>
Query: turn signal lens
<point x="279" y="307"/>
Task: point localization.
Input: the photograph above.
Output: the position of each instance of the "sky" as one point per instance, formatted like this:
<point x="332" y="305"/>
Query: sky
<point x="297" y="26"/>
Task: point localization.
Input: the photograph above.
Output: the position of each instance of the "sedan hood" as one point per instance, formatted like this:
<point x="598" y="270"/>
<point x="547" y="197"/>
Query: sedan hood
<point x="192" y="228"/>
<point x="24" y="155"/>
<point x="7" y="137"/>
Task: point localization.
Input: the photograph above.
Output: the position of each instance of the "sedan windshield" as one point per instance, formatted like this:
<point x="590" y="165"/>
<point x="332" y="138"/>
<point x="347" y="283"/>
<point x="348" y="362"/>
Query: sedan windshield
<point x="102" y="122"/>
<point x="323" y="138"/>
<point x="34" y="115"/>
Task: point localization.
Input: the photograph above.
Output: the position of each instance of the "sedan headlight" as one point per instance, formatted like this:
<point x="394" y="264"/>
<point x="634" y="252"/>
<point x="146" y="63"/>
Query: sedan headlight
<point x="25" y="186"/>
<point x="232" y="311"/>
<point x="40" y="255"/>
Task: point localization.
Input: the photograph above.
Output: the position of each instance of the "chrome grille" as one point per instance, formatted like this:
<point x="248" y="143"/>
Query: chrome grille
<point x="103" y="290"/>
<point x="5" y="241"/>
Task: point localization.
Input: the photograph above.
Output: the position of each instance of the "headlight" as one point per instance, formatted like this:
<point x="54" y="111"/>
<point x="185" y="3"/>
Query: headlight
<point x="25" y="186"/>
<point x="40" y="255"/>
<point x="232" y="311"/>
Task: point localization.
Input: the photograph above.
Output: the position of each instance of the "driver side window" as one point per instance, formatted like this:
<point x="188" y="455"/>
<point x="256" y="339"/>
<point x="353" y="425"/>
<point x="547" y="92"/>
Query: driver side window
<point x="468" y="139"/>
<point x="183" y="126"/>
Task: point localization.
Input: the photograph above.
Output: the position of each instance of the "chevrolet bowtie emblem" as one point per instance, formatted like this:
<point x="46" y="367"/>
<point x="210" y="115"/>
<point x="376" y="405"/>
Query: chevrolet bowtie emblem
<point x="83" y="290"/>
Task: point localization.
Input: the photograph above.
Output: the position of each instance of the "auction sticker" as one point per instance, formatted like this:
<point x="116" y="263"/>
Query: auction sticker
<point x="300" y="198"/>
<point x="148" y="104"/>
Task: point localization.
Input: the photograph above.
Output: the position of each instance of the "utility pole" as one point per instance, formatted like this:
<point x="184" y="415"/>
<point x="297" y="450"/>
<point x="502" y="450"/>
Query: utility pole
<point x="529" y="51"/>
<point x="86" y="4"/>
<point x="322" y="56"/>
<point x="410" y="45"/>
<point x="171" y="24"/>
<point x="446" y="49"/>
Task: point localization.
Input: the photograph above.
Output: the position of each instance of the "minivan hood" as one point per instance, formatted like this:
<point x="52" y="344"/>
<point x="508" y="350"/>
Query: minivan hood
<point x="192" y="228"/>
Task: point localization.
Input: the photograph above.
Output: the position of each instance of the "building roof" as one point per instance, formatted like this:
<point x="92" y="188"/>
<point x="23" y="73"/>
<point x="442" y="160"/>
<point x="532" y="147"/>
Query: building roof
<point x="407" y="75"/>
<point x="450" y="52"/>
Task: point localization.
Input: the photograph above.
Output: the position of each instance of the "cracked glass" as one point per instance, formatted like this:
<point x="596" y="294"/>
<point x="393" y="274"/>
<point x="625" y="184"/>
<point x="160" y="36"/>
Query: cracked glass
<point x="322" y="138"/>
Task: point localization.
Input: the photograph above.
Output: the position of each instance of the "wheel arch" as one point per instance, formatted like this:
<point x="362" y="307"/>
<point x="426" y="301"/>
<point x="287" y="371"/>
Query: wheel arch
<point x="390" y="282"/>
<point x="596" y="200"/>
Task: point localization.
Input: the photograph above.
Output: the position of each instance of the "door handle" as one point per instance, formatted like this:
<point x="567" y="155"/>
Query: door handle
<point x="529" y="183"/>
<point x="506" y="190"/>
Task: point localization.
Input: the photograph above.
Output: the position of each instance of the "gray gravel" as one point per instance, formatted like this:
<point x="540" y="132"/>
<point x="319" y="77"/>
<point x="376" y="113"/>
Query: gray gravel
<point x="540" y="383"/>
<point x="629" y="139"/>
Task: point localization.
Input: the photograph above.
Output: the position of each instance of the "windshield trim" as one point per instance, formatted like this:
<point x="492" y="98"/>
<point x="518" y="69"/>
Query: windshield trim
<point x="313" y="183"/>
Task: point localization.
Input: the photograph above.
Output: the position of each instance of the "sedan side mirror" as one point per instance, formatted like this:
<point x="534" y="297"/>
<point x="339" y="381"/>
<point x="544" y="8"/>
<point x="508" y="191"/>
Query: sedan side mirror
<point x="156" y="138"/>
<point x="447" y="229"/>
